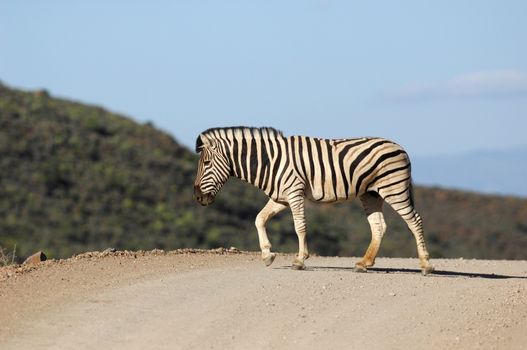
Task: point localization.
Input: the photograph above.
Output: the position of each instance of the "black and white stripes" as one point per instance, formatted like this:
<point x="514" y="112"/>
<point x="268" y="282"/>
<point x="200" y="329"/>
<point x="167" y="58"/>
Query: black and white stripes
<point x="289" y="169"/>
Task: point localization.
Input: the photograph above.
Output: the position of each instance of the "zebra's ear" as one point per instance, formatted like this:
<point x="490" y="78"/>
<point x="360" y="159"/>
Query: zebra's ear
<point x="199" y="144"/>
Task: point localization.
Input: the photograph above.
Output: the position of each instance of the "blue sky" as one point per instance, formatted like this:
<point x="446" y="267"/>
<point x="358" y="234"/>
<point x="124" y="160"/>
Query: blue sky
<point x="440" y="77"/>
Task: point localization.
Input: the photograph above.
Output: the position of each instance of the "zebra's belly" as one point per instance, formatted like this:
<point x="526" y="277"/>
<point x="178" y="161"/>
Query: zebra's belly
<point x="327" y="196"/>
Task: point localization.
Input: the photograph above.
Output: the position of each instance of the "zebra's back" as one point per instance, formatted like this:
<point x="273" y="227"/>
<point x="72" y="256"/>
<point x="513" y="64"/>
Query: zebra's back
<point x="335" y="170"/>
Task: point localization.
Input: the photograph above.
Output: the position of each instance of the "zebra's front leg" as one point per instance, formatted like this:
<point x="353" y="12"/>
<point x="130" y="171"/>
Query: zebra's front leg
<point x="297" y="209"/>
<point x="270" y="210"/>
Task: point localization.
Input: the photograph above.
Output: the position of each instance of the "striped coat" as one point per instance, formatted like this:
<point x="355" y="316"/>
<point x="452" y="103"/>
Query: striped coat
<point x="290" y="169"/>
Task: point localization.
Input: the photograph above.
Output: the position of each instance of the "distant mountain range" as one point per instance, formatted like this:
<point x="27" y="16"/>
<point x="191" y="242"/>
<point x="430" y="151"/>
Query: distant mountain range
<point x="488" y="171"/>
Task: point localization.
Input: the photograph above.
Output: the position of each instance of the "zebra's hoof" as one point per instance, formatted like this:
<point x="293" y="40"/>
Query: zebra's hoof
<point x="427" y="270"/>
<point x="268" y="260"/>
<point x="298" y="265"/>
<point x="360" y="268"/>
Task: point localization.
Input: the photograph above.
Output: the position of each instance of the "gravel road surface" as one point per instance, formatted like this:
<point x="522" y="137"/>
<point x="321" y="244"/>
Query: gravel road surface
<point x="230" y="300"/>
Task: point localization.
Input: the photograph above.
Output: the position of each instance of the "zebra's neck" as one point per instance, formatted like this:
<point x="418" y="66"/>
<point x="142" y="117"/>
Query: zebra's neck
<point x="256" y="156"/>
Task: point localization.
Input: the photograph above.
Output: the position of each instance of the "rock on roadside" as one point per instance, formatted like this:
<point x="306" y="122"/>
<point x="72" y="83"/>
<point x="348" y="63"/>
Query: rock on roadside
<point x="36" y="258"/>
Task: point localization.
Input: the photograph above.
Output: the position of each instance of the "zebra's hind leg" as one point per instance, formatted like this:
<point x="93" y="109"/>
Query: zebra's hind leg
<point x="267" y="212"/>
<point x="372" y="204"/>
<point x="403" y="204"/>
<point x="415" y="224"/>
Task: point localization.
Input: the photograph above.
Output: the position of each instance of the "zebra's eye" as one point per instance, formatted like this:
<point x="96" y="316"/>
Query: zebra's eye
<point x="206" y="162"/>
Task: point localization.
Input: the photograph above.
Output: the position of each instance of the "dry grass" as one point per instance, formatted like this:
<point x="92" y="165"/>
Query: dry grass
<point x="7" y="258"/>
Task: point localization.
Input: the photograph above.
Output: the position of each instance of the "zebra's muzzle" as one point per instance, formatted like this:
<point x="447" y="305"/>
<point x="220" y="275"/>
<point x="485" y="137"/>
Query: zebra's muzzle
<point x="203" y="198"/>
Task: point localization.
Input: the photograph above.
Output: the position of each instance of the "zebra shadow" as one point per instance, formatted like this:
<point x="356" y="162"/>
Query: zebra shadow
<point x="388" y="270"/>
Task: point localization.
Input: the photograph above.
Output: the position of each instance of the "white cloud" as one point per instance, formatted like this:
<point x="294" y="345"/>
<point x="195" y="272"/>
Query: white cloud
<point x="495" y="83"/>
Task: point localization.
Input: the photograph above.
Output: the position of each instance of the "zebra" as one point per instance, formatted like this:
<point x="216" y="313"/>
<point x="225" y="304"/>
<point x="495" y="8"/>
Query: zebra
<point x="291" y="169"/>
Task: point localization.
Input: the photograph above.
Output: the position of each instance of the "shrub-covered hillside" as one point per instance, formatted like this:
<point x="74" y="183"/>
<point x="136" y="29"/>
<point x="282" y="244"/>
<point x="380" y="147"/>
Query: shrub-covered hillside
<point x="76" y="178"/>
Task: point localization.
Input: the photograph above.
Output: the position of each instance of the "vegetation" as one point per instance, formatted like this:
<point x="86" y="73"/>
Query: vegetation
<point x="7" y="258"/>
<point x="76" y="178"/>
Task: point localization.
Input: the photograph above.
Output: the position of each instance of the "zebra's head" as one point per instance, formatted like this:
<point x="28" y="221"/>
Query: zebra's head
<point x="213" y="170"/>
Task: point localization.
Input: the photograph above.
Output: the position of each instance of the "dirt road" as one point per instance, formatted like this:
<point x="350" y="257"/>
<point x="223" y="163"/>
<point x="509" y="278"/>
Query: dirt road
<point x="231" y="301"/>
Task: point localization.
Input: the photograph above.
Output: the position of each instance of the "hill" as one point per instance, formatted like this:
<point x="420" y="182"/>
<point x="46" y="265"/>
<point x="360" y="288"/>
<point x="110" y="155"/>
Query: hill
<point x="76" y="178"/>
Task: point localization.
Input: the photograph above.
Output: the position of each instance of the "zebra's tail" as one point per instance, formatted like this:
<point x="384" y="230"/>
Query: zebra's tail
<point x="411" y="184"/>
<point x="411" y="190"/>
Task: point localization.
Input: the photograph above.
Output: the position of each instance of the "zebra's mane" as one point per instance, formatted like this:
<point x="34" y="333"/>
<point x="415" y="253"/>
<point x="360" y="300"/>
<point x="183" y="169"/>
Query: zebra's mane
<point x="237" y="131"/>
